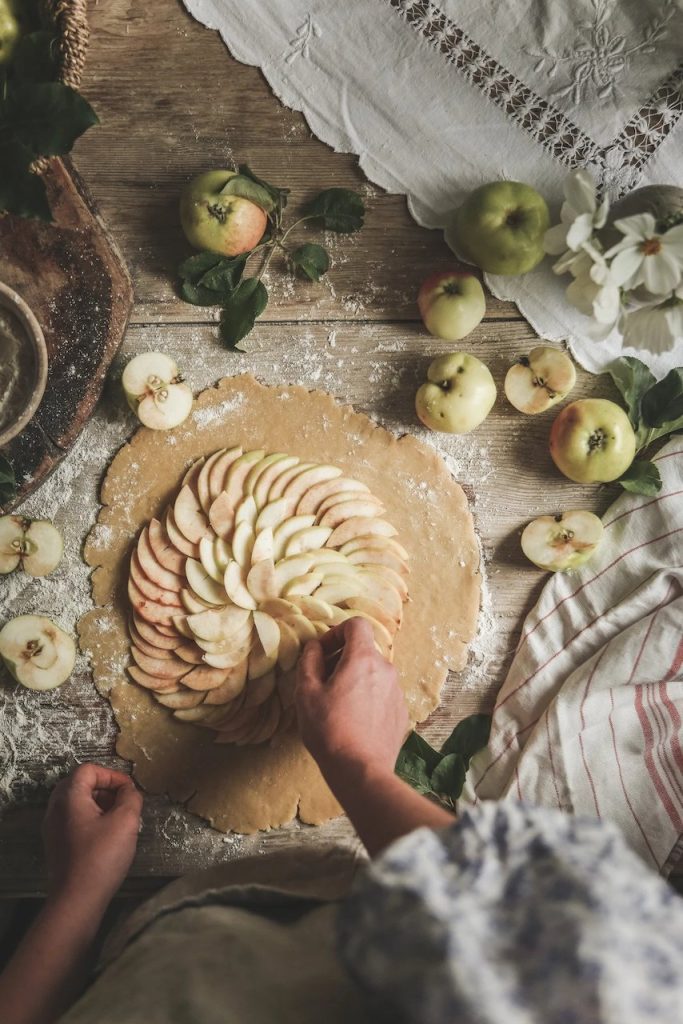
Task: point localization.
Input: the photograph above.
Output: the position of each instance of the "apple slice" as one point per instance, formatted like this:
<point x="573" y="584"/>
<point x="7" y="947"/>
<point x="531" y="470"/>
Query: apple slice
<point x="149" y="682"/>
<point x="229" y="659"/>
<point x="337" y="589"/>
<point x="262" y="582"/>
<point x="288" y="647"/>
<point x="222" y="554"/>
<point x="303" y="482"/>
<point x="150" y="611"/>
<point x="189" y="517"/>
<point x="207" y="556"/>
<point x="379" y="556"/>
<point x="263" y="546"/>
<point x="222" y="516"/>
<point x="340" y="496"/>
<point x="34" y="544"/>
<point x="148" y="649"/>
<point x="153" y="636"/>
<point x="540" y="380"/>
<point x="219" y="471"/>
<point x="232" y="687"/>
<point x="228" y="644"/>
<point x="287" y="529"/>
<point x="277" y="607"/>
<point x="390" y="575"/>
<point x="259" y="468"/>
<point x="312" y="499"/>
<point x="153" y="569"/>
<point x="268" y="632"/>
<point x="202" y="678"/>
<point x="190" y="653"/>
<point x="373" y="541"/>
<point x="202" y="486"/>
<point x="180" y="625"/>
<point x="375" y="610"/>
<point x="303" y="585"/>
<point x="360" y="526"/>
<point x="246" y="512"/>
<point x="309" y="539"/>
<point x="384" y="637"/>
<point x="378" y="589"/>
<point x="270" y="722"/>
<point x="240" y="726"/>
<point x="288" y="568"/>
<point x="155" y="392"/>
<point x="216" y="626"/>
<point x="283" y="480"/>
<point x="268" y="477"/>
<point x="259" y="688"/>
<point x="178" y="540"/>
<point x="161" y="668"/>
<point x="192" y="472"/>
<point x="563" y="542"/>
<point x="302" y="626"/>
<point x="260" y="664"/>
<point x="314" y="608"/>
<point x="193" y="603"/>
<point x="168" y="556"/>
<point x="181" y="699"/>
<point x="151" y="590"/>
<point x="203" y="585"/>
<point x="238" y="473"/>
<point x="355" y="508"/>
<point x="336" y="569"/>
<point x="236" y="588"/>
<point x="37" y="653"/>
<point x="243" y="544"/>
<point x="325" y="557"/>
<point x="273" y="514"/>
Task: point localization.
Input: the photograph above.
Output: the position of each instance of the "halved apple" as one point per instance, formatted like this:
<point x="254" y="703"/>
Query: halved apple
<point x="35" y="545"/>
<point x="562" y="542"/>
<point x="155" y="392"/>
<point x="540" y="380"/>
<point x="39" y="654"/>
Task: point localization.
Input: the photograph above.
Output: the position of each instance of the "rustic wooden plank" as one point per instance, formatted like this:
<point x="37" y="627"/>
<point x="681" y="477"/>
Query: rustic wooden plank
<point x="164" y="120"/>
<point x="73" y="277"/>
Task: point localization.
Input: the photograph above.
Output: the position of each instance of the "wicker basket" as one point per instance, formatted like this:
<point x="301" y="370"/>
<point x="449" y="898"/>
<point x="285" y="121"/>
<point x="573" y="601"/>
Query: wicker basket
<point x="70" y="18"/>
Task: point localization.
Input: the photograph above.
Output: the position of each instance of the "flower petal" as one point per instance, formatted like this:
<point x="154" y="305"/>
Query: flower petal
<point x="625" y="267"/>
<point x="641" y="226"/>
<point x="555" y="239"/>
<point x="660" y="272"/>
<point x="579" y="190"/>
<point x="649" y="329"/>
<point x="580" y="231"/>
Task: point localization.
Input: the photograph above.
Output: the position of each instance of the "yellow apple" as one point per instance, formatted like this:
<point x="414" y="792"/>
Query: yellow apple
<point x="225" y="224"/>
<point x="451" y="304"/>
<point x="592" y="441"/>
<point x="458" y="395"/>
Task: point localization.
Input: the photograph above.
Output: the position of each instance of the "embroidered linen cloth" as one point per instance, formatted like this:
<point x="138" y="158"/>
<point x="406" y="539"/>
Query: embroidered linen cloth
<point x="438" y="98"/>
<point x="589" y="719"/>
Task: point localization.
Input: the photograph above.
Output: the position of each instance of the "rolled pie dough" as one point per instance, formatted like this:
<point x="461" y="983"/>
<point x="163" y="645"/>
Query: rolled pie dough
<point x="246" y="788"/>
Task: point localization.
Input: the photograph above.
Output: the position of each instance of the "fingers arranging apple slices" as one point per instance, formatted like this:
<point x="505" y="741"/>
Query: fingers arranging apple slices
<point x="540" y="380"/>
<point x="39" y="654"/>
<point x="155" y="391"/>
<point x="258" y="554"/>
<point x="34" y="545"/>
<point x="563" y="542"/>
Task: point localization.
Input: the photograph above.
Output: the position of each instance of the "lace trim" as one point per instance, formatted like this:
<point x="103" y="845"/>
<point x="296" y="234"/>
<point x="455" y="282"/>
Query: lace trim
<point x="617" y="167"/>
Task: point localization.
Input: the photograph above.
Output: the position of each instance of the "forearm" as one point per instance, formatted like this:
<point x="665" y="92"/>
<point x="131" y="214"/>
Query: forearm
<point x="380" y="806"/>
<point x="50" y="966"/>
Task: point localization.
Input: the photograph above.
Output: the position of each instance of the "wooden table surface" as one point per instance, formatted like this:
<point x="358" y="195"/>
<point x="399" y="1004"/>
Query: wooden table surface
<point x="172" y="103"/>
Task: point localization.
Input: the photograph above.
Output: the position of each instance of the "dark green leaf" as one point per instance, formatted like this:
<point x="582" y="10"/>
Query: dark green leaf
<point x="312" y="260"/>
<point x="8" y="483"/>
<point x="245" y="304"/>
<point x="340" y="209"/>
<point x="416" y="744"/>
<point x="633" y="378"/>
<point x="209" y="279"/>
<point x="224" y="276"/>
<point x="278" y="195"/>
<point x="448" y="777"/>
<point x="199" y="296"/>
<point x="663" y="403"/>
<point x="21" y="192"/>
<point x="194" y="267"/>
<point x="468" y="737"/>
<point x="247" y="188"/>
<point x="412" y="769"/>
<point x="641" y="477"/>
<point x="35" y="57"/>
<point x="46" y="117"/>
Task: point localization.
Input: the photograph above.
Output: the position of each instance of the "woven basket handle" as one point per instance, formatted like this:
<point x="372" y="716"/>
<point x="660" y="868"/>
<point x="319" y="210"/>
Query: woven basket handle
<point x="70" y="18"/>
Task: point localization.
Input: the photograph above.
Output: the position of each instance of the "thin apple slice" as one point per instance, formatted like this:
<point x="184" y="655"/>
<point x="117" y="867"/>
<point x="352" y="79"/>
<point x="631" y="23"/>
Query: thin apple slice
<point x="178" y="540"/>
<point x="386" y="543"/>
<point x="225" y="713"/>
<point x="243" y="544"/>
<point x="563" y="542"/>
<point x="181" y="699"/>
<point x="259" y="468"/>
<point x="320" y="627"/>
<point x="303" y="482"/>
<point x="168" y="556"/>
<point x="246" y="512"/>
<point x="190" y="653"/>
<point x="283" y="480"/>
<point x="353" y="509"/>
<point x="193" y="603"/>
<point x="261" y="733"/>
<point x="153" y="569"/>
<point x="263" y="546"/>
<point x="268" y="632"/>
<point x="312" y="499"/>
<point x="11" y="542"/>
<point x="236" y="588"/>
<point x="379" y="556"/>
<point x="222" y="516"/>
<point x="343" y="496"/>
<point x="150" y="682"/>
<point x="229" y="659"/>
<point x="189" y="517"/>
<point x="277" y="607"/>
<point x="335" y="570"/>
<point x="203" y="585"/>
<point x="192" y="472"/>
<point x="360" y="526"/>
<point x="216" y="626"/>
<point x="274" y="514"/>
<point x="151" y="590"/>
<point x="302" y="626"/>
<point x="285" y="530"/>
<point x="309" y="539"/>
<point x="203" y="488"/>
<point x="153" y="636"/>
<point x="241" y="725"/>
<point x="377" y="588"/>
<point x="150" y="611"/>
<point x="384" y="637"/>
<point x="288" y="568"/>
<point x="228" y="644"/>
<point x="180" y="624"/>
<point x="326" y="556"/>
<point x="376" y="611"/>
<point x="232" y="687"/>
<point x="162" y="668"/>
<point x="339" y="615"/>
<point x="207" y="556"/>
<point x="289" y="646"/>
<point x="302" y="585"/>
<point x="148" y="649"/>
<point x="270" y="475"/>
<point x="392" y="578"/>
<point x="222" y="554"/>
<point x="259" y="688"/>
<point x="219" y="471"/>
<point x="202" y="678"/>
<point x="314" y="608"/>
<point x="262" y="582"/>
<point x="338" y="589"/>
<point x="238" y="473"/>
<point x="260" y="663"/>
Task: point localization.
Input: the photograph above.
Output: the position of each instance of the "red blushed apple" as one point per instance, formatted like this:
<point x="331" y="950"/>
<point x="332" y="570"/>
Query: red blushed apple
<point x="451" y="304"/>
<point x="224" y="224"/>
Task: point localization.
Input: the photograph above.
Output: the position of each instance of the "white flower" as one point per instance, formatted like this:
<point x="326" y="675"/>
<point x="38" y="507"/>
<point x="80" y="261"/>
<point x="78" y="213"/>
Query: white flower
<point x="645" y="257"/>
<point x="656" y="328"/>
<point x="596" y="294"/>
<point x="580" y="216"/>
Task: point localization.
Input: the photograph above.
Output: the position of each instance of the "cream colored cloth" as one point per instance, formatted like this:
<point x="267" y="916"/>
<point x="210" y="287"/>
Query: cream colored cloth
<point x="589" y="717"/>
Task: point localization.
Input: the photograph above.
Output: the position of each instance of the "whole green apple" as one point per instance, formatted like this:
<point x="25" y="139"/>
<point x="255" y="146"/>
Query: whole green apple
<point x="224" y="224"/>
<point x="458" y="395"/>
<point x="500" y="227"/>
<point x="451" y="304"/>
<point x="10" y="30"/>
<point x="592" y="441"/>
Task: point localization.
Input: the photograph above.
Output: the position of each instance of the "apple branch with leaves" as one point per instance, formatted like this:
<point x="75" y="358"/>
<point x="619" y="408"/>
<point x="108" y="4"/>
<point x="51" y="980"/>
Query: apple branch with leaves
<point x="209" y="279"/>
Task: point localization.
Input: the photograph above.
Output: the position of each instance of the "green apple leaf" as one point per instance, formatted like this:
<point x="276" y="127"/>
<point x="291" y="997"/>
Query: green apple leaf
<point x="247" y="188"/>
<point x="662" y="405"/>
<point x="35" y="57"/>
<point x="224" y="277"/>
<point x="8" y="483"/>
<point x="194" y="267"/>
<point x="21" y="192"/>
<point x="209" y="279"/>
<point x="240" y="311"/>
<point x="277" y="195"/>
<point x="416" y="744"/>
<point x="45" y="117"/>
<point x="632" y="378"/>
<point x="448" y="777"/>
<point x="198" y="296"/>
<point x="412" y="769"/>
<point x="641" y="477"/>
<point x="312" y="260"/>
<point x="339" y="209"/>
<point x="468" y="737"/>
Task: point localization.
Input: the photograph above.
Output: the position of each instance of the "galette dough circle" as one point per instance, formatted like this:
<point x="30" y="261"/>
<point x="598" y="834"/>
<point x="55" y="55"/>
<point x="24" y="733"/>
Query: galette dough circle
<point x="250" y="788"/>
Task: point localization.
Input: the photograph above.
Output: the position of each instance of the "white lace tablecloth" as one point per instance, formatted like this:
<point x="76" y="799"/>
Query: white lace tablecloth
<point x="436" y="99"/>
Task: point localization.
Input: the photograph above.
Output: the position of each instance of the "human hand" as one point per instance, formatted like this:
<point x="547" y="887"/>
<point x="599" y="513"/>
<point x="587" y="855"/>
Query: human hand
<point x="351" y="711"/>
<point x="90" y="833"/>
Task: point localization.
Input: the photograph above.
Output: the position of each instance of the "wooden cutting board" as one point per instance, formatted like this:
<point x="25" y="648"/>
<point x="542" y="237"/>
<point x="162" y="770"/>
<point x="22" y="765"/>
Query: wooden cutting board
<point x="74" y="279"/>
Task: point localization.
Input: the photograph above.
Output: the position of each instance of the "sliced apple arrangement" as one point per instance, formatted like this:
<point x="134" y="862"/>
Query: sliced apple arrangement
<point x="257" y="554"/>
<point x="34" y="545"/>
<point x="39" y="654"/>
<point x="155" y="391"/>
<point x="563" y="542"/>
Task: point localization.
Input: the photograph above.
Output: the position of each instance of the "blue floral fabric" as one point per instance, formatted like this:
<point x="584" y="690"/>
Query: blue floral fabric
<point x="516" y="915"/>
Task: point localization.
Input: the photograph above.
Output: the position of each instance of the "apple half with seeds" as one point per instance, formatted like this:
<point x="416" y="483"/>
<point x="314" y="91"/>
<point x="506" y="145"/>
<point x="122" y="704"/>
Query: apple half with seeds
<point x="540" y="380"/>
<point x="39" y="654"/>
<point x="155" y="391"/>
<point x="34" y="545"/>
<point x="563" y="542"/>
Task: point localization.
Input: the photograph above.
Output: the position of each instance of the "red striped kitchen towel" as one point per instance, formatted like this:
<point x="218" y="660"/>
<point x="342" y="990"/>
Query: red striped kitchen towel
<point x="589" y="717"/>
